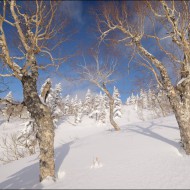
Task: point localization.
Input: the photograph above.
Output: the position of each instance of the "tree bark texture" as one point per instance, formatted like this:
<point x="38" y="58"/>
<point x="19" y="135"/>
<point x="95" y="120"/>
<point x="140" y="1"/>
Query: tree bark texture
<point x="182" y="112"/>
<point x="179" y="100"/>
<point x="45" y="135"/>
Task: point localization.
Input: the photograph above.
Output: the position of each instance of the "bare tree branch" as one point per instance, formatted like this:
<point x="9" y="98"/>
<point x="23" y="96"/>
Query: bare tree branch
<point x="100" y="76"/>
<point x="119" y="25"/>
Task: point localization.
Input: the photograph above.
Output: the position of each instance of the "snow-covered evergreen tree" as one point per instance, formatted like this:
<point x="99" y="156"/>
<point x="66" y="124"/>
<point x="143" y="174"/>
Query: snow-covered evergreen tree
<point x="78" y="112"/>
<point x="66" y="105"/>
<point x="144" y="98"/>
<point x="128" y="101"/>
<point x="117" y="103"/>
<point x="102" y="108"/>
<point x="150" y="95"/>
<point x="87" y="102"/>
<point x="58" y="90"/>
<point x="95" y="110"/>
<point x="106" y="101"/>
<point x="132" y="99"/>
<point x="155" y="101"/>
<point x="71" y="106"/>
<point x="136" y="103"/>
<point x="162" y="102"/>
<point x="75" y="105"/>
<point x="54" y="100"/>
<point x="99" y="109"/>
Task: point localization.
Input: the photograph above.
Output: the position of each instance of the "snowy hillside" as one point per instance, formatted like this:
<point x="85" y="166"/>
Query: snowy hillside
<point x="144" y="154"/>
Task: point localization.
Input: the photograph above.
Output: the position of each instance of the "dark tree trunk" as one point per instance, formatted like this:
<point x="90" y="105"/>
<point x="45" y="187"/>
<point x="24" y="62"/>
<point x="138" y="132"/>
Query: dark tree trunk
<point x="43" y="119"/>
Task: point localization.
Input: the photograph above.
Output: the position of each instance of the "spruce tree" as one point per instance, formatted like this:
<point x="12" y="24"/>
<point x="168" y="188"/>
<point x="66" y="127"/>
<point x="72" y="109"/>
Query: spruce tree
<point x="117" y="103"/>
<point x="66" y="105"/>
<point x="88" y="102"/>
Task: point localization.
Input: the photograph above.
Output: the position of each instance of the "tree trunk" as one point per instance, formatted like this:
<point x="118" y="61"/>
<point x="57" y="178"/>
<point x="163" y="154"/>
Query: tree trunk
<point x="43" y="119"/>
<point x="113" y="123"/>
<point x="181" y="108"/>
<point x="184" y="126"/>
<point x="182" y="112"/>
<point x="111" y="105"/>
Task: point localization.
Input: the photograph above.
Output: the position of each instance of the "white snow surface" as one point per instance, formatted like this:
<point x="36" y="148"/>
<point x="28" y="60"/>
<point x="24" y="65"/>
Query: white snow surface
<point x="89" y="155"/>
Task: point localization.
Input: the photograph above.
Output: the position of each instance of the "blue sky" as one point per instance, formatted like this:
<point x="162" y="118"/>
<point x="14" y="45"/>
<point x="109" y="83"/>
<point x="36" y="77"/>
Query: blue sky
<point x="84" y="22"/>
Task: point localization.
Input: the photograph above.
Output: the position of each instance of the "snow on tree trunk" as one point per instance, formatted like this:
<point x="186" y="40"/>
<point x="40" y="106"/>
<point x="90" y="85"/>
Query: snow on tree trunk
<point x="45" y="89"/>
<point x="42" y="116"/>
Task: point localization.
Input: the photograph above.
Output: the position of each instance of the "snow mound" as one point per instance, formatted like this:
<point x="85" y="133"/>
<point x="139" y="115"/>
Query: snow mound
<point x="96" y="163"/>
<point x="48" y="181"/>
<point x="61" y="175"/>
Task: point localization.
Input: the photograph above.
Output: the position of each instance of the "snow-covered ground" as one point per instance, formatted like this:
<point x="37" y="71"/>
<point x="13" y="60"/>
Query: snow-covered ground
<point x="144" y="154"/>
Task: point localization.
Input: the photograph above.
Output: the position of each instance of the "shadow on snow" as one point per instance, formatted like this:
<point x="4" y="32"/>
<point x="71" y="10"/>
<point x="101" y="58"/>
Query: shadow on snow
<point x="148" y="131"/>
<point x="28" y="177"/>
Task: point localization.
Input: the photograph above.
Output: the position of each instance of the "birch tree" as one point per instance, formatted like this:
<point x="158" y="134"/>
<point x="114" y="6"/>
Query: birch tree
<point x="100" y="74"/>
<point x="35" y="26"/>
<point x="167" y="25"/>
